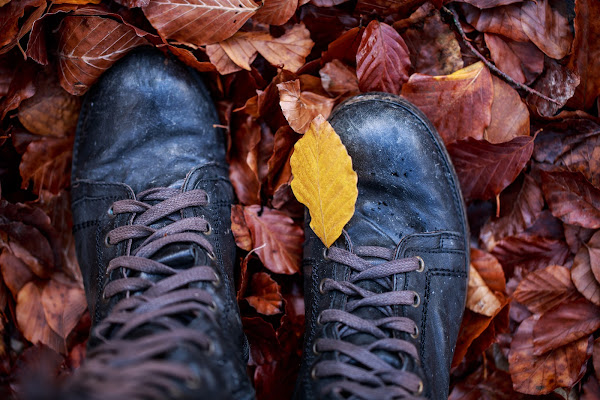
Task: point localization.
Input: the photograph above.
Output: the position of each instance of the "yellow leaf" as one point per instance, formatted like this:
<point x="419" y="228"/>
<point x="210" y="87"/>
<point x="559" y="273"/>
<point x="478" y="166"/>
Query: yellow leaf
<point x="480" y="298"/>
<point x="324" y="180"/>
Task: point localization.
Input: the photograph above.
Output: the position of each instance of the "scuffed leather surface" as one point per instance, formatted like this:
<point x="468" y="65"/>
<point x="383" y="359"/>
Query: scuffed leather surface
<point x="148" y="123"/>
<point x="409" y="200"/>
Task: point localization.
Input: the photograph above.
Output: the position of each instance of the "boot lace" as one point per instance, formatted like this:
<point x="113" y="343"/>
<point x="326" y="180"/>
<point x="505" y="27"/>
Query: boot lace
<point x="357" y="371"/>
<point x="157" y="303"/>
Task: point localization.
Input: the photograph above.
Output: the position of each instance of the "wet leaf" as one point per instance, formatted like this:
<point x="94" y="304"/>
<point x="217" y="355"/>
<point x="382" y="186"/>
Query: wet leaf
<point x="565" y="324"/>
<point x="338" y="79"/>
<point x="459" y="105"/>
<point x="556" y="82"/>
<point x="324" y="180"/>
<point x="382" y="61"/>
<point x="88" y="46"/>
<point x="572" y="198"/>
<point x="47" y="162"/>
<point x="545" y="289"/>
<point x="300" y="108"/>
<point x="485" y="169"/>
<point x="510" y="116"/>
<point x="266" y="294"/>
<point x="276" y="12"/>
<point x="538" y="375"/>
<point x="277" y="239"/>
<point x="547" y="28"/>
<point x="582" y="274"/>
<point x="198" y="22"/>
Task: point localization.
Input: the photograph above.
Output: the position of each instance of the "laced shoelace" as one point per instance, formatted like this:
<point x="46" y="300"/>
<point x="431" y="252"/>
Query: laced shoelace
<point x="357" y="371"/>
<point x="133" y="365"/>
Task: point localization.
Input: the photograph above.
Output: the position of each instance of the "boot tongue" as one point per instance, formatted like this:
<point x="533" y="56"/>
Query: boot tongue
<point x="363" y="232"/>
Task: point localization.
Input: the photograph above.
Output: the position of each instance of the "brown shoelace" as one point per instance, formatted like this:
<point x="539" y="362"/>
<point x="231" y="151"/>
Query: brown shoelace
<point x="157" y="302"/>
<point x="357" y="372"/>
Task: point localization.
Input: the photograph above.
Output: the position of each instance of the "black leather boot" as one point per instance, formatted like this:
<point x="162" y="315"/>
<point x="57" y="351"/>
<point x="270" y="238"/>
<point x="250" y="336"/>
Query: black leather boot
<point x="385" y="302"/>
<point x="151" y="207"/>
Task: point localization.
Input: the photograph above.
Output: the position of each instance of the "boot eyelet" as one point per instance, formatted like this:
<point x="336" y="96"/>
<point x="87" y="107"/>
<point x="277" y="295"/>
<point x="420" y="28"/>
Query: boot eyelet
<point x="107" y="242"/>
<point x="209" y="231"/>
<point x="313" y="373"/>
<point x="217" y="281"/>
<point x="111" y="212"/>
<point x="416" y="300"/>
<point x="211" y="255"/>
<point x="319" y="321"/>
<point x="211" y="348"/>
<point x="415" y="334"/>
<point x="314" y="349"/>
<point x="322" y="286"/>
<point x="421" y="264"/>
<point x="213" y="306"/>
<point x="419" y="389"/>
<point x="325" y="257"/>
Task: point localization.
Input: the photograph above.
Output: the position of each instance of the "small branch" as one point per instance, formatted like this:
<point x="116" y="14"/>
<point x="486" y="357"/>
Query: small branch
<point x="489" y="64"/>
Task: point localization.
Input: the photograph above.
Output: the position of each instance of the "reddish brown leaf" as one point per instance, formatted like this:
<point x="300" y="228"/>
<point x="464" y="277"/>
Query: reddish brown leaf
<point x="132" y="3"/>
<point x="526" y="209"/>
<point x="32" y="320"/>
<point x="345" y="47"/>
<point x="277" y="239"/>
<point x="530" y="252"/>
<point x="591" y="389"/>
<point x="485" y="169"/>
<point x="388" y="7"/>
<point x="556" y="82"/>
<point x="547" y="28"/>
<point x="244" y="181"/>
<point x="241" y="233"/>
<point x="198" y="22"/>
<point x="596" y="357"/>
<point x="565" y="324"/>
<point x="279" y="166"/>
<point x="593" y="247"/>
<point x="64" y="304"/>
<point x="266" y="294"/>
<point x="503" y="20"/>
<point x="432" y="45"/>
<point x="480" y="298"/>
<point x="573" y="143"/>
<point x="21" y="88"/>
<point x="188" y="58"/>
<point x="288" y="51"/>
<point x="510" y="116"/>
<point x="51" y="111"/>
<point x="300" y="108"/>
<point x="544" y="289"/>
<point x="576" y="236"/>
<point x="338" y="79"/>
<point x="382" y="61"/>
<point x="88" y="46"/>
<point x="522" y="61"/>
<point x="29" y="246"/>
<point x="583" y="276"/>
<point x="489" y="3"/>
<point x="219" y="58"/>
<point x="276" y="12"/>
<point x="538" y="375"/>
<point x="459" y="105"/>
<point x="14" y="272"/>
<point x="481" y="385"/>
<point x="264" y="346"/>
<point x="572" y="198"/>
<point x="10" y="29"/>
<point x="489" y="269"/>
<point x="48" y="163"/>
<point x="239" y="49"/>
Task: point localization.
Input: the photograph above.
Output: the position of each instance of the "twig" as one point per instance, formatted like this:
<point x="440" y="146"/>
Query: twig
<point x="489" y="64"/>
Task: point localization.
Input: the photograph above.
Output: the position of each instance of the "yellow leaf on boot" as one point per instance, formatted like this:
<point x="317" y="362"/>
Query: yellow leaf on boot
<point x="324" y="180"/>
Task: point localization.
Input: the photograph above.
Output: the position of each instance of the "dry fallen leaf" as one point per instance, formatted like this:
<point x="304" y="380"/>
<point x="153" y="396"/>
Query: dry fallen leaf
<point x="48" y="163"/>
<point x="510" y="116"/>
<point x="324" y="180"/>
<point x="300" y="108"/>
<point x="583" y="276"/>
<point x="288" y="51"/>
<point x="266" y="294"/>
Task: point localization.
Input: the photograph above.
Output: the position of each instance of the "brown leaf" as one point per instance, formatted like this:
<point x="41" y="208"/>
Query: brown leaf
<point x="32" y="320"/>
<point x="264" y="346"/>
<point x="530" y="252"/>
<point x="88" y="46"/>
<point x="539" y="375"/>
<point x="266" y="294"/>
<point x="544" y="289"/>
<point x="21" y="87"/>
<point x="503" y="20"/>
<point x="547" y="28"/>
<point x="382" y="61"/>
<point x="485" y="169"/>
<point x="14" y="272"/>
<point x="244" y="181"/>
<point x="198" y="22"/>
<point x="188" y="58"/>
<point x="29" y="246"/>
<point x="526" y="209"/>
<point x="565" y="324"/>
<point x="582" y="274"/>
<point x="10" y="29"/>
<point x="510" y="116"/>
<point x="573" y="143"/>
<point x="239" y="48"/>
<point x="556" y="82"/>
<point x="338" y="79"/>
<point x="48" y="163"/>
<point x="480" y="298"/>
<point x="459" y="105"/>
<point x="593" y="247"/>
<point x="279" y="165"/>
<point x="288" y="51"/>
<point x="276" y="12"/>
<point x="432" y="45"/>
<point x="591" y="389"/>
<point x="345" y="47"/>
<point x="481" y="385"/>
<point x="596" y="357"/>
<point x="388" y="7"/>
<point x="489" y="3"/>
<point x="489" y="269"/>
<point x="281" y="237"/>
<point x="240" y="230"/>
<point x="572" y="198"/>
<point x="300" y="108"/>
<point x="522" y="61"/>
<point x="219" y="58"/>
<point x="63" y="304"/>
<point x="576" y="236"/>
<point x="51" y="111"/>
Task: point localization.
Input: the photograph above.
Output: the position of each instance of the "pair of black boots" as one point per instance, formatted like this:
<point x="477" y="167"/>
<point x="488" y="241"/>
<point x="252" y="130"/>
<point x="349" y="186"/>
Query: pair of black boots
<point x="151" y="206"/>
